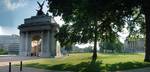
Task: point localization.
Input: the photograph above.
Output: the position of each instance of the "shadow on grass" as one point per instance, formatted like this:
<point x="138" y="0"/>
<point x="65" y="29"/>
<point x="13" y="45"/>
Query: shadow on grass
<point x="126" y="66"/>
<point x="82" y="67"/>
<point x="91" y="67"/>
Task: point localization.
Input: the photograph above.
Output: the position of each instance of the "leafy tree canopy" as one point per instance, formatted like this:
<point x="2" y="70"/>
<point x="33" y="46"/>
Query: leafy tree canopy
<point x="110" y="17"/>
<point x="93" y="20"/>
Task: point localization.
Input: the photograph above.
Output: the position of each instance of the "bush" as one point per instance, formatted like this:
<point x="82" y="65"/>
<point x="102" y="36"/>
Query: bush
<point x="2" y="51"/>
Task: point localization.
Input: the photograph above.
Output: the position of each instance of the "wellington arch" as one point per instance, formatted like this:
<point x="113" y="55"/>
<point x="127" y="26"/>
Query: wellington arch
<point x="37" y="36"/>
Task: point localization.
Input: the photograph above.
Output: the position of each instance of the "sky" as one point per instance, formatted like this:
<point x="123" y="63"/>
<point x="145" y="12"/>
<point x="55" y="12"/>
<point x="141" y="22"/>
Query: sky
<point x="13" y="13"/>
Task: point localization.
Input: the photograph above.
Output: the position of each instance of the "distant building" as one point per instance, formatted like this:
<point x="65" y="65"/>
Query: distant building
<point x="134" y="45"/>
<point x="9" y="43"/>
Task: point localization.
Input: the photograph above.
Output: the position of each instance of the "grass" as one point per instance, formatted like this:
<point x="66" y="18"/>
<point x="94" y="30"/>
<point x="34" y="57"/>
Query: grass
<point x="80" y="62"/>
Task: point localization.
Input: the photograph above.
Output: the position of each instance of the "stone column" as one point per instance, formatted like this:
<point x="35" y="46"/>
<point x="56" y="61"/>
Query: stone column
<point x="26" y="44"/>
<point x="129" y="44"/>
<point x="29" y="44"/>
<point x="48" y="43"/>
<point x="133" y="46"/>
<point x="53" y="44"/>
<point x="22" y="44"/>
<point x="42" y="43"/>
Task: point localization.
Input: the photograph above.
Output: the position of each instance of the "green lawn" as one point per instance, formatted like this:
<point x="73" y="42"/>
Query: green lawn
<point x="80" y="62"/>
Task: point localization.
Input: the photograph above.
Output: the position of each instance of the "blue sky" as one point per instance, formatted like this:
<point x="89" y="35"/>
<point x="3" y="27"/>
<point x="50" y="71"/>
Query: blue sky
<point x="13" y="13"/>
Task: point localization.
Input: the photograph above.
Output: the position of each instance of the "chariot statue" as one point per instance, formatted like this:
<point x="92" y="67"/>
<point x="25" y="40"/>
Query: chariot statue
<point x="40" y="11"/>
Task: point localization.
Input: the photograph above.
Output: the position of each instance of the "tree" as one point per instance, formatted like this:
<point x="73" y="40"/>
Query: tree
<point x="88" y="49"/>
<point x="68" y="48"/>
<point x="93" y="20"/>
<point x="107" y="46"/>
<point x="146" y="11"/>
<point x="114" y="45"/>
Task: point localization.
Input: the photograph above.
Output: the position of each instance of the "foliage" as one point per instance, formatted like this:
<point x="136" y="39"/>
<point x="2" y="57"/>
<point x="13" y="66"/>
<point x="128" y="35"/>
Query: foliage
<point x="137" y="29"/>
<point x="68" y="48"/>
<point x="2" y="51"/>
<point x="80" y="62"/>
<point x="136" y="22"/>
<point x="88" y="49"/>
<point x="81" y="50"/>
<point x="64" y="36"/>
<point x="94" y="20"/>
<point x="114" y="45"/>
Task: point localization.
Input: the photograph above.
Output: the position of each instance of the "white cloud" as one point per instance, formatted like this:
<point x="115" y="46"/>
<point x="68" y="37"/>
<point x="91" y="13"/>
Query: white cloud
<point x="14" y="4"/>
<point x="84" y="45"/>
<point x="8" y="30"/>
<point x="1" y="32"/>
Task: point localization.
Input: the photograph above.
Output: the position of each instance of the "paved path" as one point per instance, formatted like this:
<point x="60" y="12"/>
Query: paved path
<point x="4" y="62"/>
<point x="26" y="69"/>
<point x="7" y="58"/>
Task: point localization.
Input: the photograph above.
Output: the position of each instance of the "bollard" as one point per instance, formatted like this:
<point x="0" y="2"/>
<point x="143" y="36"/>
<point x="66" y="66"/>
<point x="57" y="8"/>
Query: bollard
<point x="9" y="66"/>
<point x="20" y="65"/>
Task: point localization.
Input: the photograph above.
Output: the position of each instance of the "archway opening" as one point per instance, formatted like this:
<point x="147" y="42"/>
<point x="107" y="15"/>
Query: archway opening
<point x="36" y="46"/>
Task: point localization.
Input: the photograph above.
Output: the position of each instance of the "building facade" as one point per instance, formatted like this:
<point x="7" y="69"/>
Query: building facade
<point x="10" y="43"/>
<point x="137" y="45"/>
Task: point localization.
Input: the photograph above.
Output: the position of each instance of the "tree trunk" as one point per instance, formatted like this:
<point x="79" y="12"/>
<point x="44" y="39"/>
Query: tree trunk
<point x="94" y="57"/>
<point x="146" y="8"/>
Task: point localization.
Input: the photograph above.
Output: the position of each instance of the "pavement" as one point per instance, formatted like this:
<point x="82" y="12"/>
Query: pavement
<point x="5" y="59"/>
<point x="25" y="69"/>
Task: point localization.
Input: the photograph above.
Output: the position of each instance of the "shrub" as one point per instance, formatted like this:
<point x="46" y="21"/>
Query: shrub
<point x="2" y="51"/>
